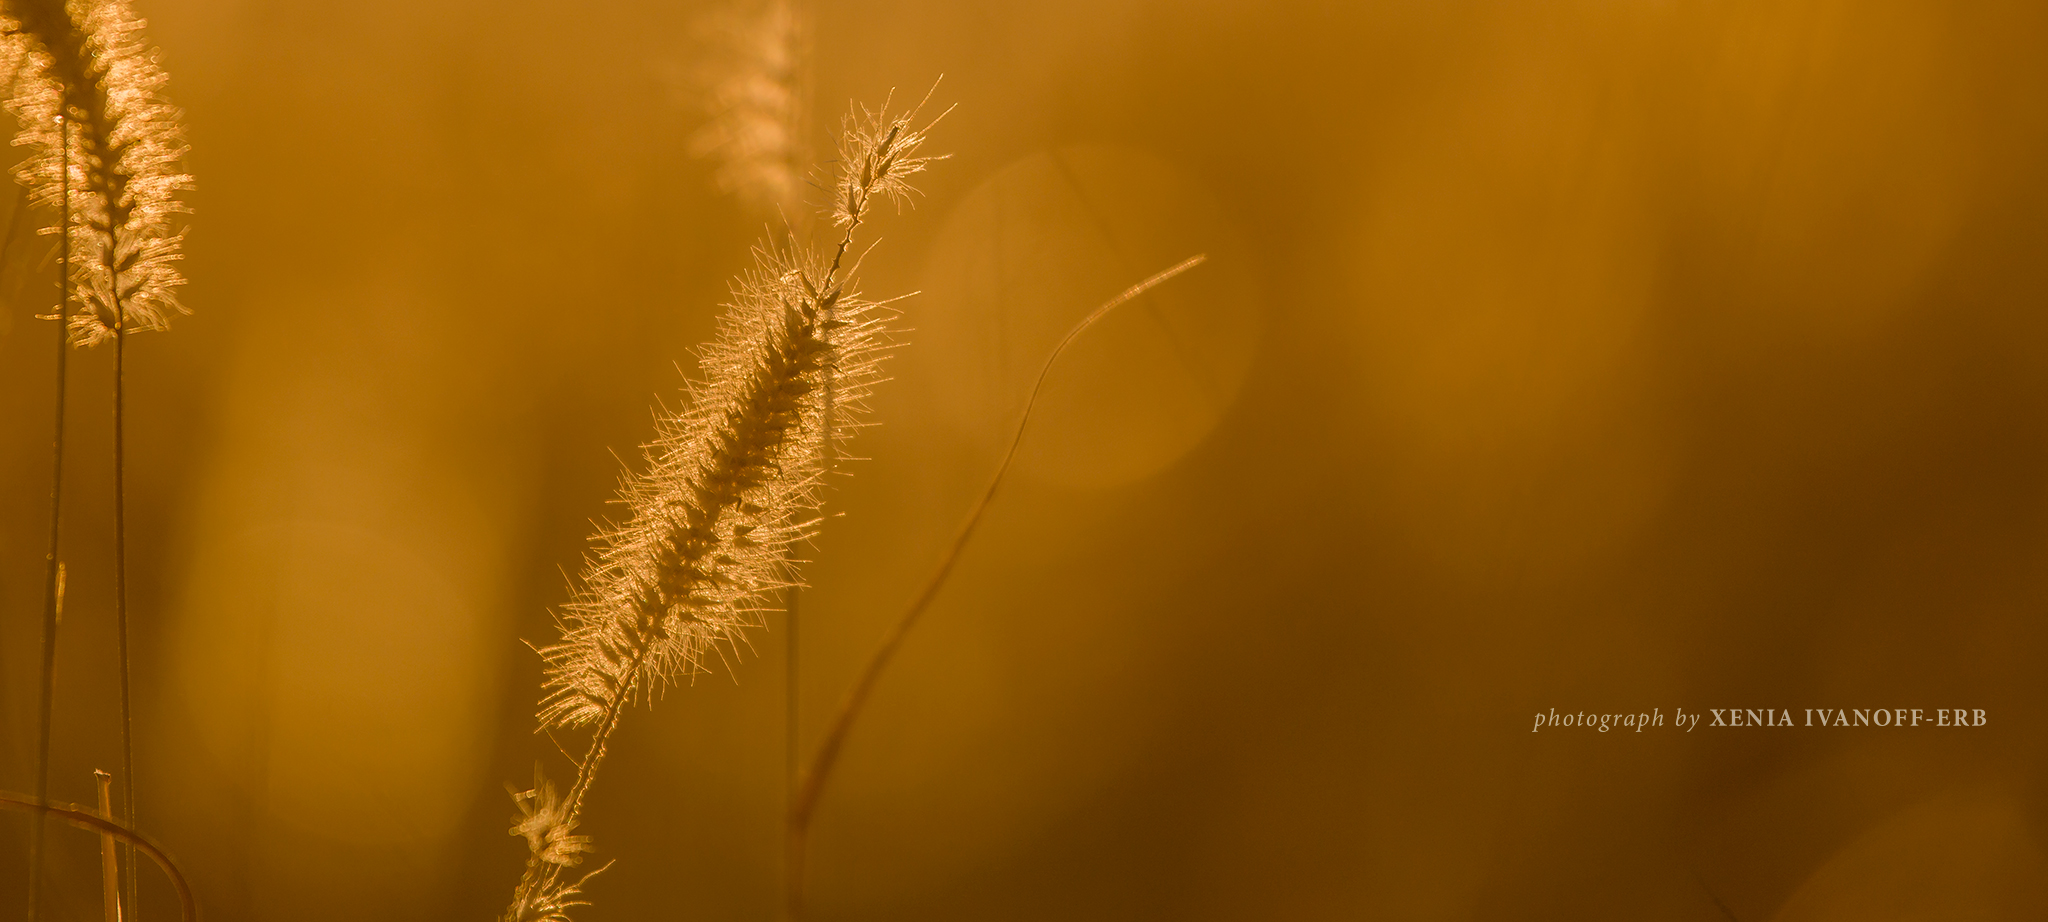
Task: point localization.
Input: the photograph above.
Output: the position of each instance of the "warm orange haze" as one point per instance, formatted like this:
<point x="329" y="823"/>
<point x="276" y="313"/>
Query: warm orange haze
<point x="1598" y="468"/>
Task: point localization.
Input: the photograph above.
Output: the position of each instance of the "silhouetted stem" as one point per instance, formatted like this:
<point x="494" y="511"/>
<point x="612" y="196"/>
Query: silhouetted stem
<point x="813" y="784"/>
<point x="53" y="599"/>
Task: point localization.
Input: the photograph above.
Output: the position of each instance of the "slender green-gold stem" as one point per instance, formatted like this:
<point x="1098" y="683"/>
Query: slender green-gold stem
<point x="812" y="785"/>
<point x="52" y="589"/>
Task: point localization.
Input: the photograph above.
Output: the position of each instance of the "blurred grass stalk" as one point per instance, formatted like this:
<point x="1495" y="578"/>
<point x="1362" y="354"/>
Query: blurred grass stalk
<point x="811" y="787"/>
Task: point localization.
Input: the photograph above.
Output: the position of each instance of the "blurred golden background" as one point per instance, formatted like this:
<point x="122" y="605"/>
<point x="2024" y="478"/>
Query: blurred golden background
<point x="1587" y="355"/>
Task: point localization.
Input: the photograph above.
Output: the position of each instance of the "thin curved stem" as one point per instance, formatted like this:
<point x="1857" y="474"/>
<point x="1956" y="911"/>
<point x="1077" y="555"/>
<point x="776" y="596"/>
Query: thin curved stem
<point x="85" y="819"/>
<point x="827" y="756"/>
<point x="53" y="597"/>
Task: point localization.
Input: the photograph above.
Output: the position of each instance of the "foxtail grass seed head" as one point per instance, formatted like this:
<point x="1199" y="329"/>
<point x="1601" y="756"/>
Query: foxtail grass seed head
<point x="729" y="489"/>
<point x="877" y="157"/>
<point x="87" y="64"/>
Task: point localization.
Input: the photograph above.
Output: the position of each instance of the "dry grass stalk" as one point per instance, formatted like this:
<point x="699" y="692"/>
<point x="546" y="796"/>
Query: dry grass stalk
<point x="730" y="487"/>
<point x="811" y="786"/>
<point x="53" y="591"/>
<point x="104" y="153"/>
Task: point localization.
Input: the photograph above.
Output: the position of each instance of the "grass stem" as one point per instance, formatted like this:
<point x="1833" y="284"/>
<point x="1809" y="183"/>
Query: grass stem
<point x="53" y="590"/>
<point x="812" y="786"/>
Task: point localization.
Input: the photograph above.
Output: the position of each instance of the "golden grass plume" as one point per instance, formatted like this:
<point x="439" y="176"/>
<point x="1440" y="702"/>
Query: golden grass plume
<point x="730" y="487"/>
<point x="88" y="94"/>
